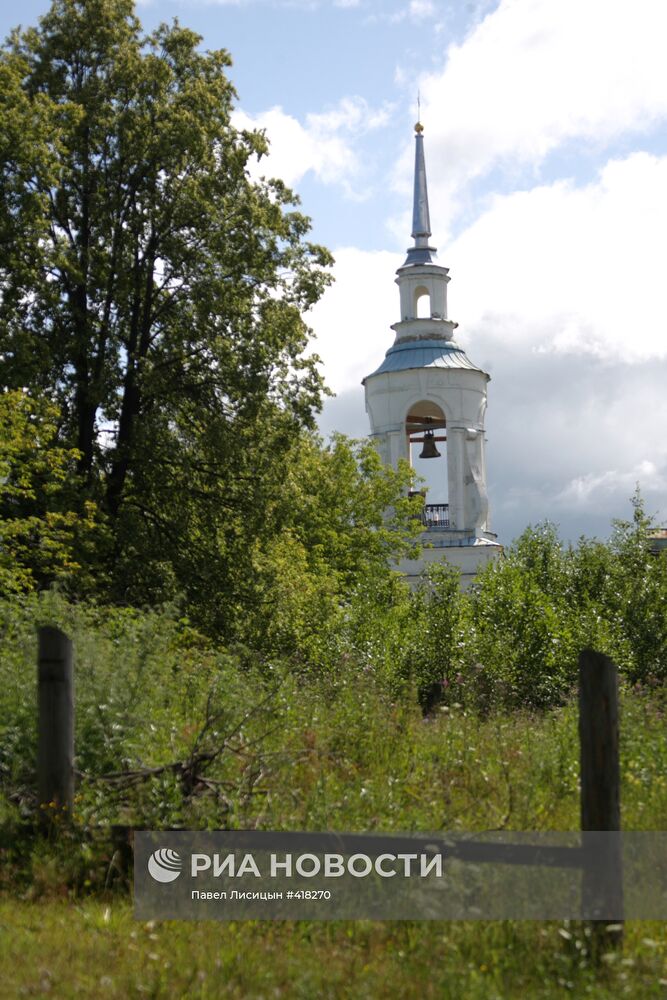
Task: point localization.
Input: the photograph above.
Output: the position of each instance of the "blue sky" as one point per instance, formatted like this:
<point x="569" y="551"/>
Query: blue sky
<point x="546" y="146"/>
<point x="305" y="57"/>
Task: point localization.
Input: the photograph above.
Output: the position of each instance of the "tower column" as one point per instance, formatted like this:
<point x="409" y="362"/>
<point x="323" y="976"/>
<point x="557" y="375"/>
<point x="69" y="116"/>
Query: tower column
<point x="455" y="463"/>
<point x="398" y="446"/>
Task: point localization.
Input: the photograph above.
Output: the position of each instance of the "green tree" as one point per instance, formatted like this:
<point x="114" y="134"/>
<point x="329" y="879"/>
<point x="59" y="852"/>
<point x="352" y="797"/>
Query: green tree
<point x="522" y="630"/>
<point x="636" y="594"/>
<point x="342" y="518"/>
<point x="148" y="285"/>
<point x="430" y="656"/>
<point x="44" y="530"/>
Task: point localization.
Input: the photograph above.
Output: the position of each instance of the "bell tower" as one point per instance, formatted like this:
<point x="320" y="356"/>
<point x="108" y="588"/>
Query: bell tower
<point x="427" y="392"/>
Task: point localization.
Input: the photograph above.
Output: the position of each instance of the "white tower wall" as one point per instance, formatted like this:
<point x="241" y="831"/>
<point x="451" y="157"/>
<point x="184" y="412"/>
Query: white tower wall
<point x="461" y="395"/>
<point x="427" y="385"/>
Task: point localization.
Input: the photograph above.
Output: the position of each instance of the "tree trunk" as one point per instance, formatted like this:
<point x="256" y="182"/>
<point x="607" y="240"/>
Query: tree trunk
<point x="130" y="410"/>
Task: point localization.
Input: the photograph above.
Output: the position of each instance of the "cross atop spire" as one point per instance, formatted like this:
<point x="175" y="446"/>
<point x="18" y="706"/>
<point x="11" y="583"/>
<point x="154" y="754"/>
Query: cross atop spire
<point x="421" y="252"/>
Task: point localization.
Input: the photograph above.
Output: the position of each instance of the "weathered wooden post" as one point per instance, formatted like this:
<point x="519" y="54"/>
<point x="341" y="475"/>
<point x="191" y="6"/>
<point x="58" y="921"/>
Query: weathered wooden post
<point x="602" y="890"/>
<point x="55" y="742"/>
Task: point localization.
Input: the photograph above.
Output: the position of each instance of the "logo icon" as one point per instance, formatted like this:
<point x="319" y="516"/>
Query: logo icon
<point x="165" y="865"/>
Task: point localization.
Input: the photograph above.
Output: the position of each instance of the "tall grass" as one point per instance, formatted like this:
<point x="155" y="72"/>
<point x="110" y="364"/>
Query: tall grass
<point x="339" y="752"/>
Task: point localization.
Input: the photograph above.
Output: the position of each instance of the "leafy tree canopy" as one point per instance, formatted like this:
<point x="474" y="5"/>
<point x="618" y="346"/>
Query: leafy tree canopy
<point x="45" y="534"/>
<point x="150" y="289"/>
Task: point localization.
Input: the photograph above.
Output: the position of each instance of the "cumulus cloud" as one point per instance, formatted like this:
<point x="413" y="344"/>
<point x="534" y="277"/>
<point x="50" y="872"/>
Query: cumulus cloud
<point x="558" y="291"/>
<point x="535" y="74"/>
<point x="577" y="269"/>
<point x="352" y="320"/>
<point x="323" y="145"/>
<point x="556" y="285"/>
<point x="556" y="270"/>
<point x="570" y="269"/>
<point x="569" y="439"/>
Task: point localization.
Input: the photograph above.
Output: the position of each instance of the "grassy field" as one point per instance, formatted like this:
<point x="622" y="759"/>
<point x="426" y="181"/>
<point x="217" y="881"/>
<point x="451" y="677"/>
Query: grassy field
<point x="57" y="948"/>
<point x="344" y="754"/>
<point x="515" y="771"/>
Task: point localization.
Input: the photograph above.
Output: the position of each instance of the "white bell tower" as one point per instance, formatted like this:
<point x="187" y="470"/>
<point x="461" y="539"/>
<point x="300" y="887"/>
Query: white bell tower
<point x="428" y="393"/>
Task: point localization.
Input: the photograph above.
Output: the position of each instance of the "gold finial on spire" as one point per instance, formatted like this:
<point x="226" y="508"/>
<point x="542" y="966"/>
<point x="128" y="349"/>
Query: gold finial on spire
<point x="419" y="128"/>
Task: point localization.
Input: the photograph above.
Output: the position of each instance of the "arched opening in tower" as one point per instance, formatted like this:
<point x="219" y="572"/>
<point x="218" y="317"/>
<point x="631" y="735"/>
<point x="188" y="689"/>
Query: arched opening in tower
<point x="422" y="305"/>
<point x="426" y="431"/>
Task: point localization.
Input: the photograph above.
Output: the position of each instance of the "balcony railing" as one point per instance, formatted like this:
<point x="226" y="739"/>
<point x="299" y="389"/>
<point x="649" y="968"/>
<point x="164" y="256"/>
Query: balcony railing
<point x="435" y="515"/>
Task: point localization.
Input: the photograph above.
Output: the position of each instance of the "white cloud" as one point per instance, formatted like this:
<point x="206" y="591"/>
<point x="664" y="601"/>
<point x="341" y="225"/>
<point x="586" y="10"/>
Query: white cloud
<point x="325" y="144"/>
<point x="351" y="114"/>
<point x="571" y="269"/>
<point x="421" y="9"/>
<point x="557" y="287"/>
<point x="415" y="10"/>
<point x="592" y="487"/>
<point x="352" y="320"/>
<point x="535" y="74"/>
<point x="294" y="149"/>
<point x="559" y="270"/>
<point x="559" y="293"/>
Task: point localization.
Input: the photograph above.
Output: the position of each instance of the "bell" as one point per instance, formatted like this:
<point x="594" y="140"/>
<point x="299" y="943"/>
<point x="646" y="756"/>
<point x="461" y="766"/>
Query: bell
<point x="429" y="450"/>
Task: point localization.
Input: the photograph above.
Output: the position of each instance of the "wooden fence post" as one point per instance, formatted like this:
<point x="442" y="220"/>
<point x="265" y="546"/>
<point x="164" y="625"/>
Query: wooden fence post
<point x="55" y="743"/>
<point x="600" y="792"/>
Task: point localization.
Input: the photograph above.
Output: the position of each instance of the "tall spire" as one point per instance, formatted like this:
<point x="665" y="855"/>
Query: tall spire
<point x="421" y="223"/>
<point x="421" y="252"/>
